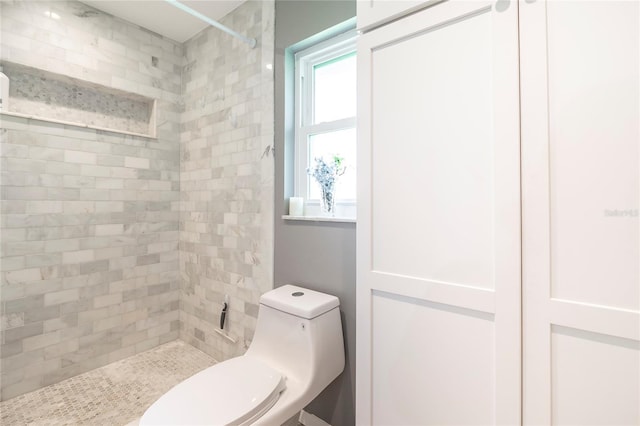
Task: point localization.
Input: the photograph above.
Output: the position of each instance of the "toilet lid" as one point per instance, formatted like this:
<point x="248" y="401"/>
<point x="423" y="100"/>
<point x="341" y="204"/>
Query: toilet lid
<point x="230" y="392"/>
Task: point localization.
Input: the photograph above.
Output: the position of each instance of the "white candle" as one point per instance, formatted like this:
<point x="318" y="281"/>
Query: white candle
<point x="296" y="206"/>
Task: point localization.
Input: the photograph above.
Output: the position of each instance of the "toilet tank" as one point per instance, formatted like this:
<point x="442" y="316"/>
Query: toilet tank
<point x="298" y="301"/>
<point x="299" y="332"/>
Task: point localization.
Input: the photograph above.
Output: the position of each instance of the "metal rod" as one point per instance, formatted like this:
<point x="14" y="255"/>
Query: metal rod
<point x="250" y="41"/>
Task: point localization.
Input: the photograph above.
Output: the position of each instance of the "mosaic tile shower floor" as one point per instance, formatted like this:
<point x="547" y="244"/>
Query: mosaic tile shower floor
<point x="113" y="395"/>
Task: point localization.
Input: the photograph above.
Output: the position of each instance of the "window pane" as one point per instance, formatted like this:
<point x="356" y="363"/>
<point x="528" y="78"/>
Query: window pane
<point x="335" y="88"/>
<point x="326" y="145"/>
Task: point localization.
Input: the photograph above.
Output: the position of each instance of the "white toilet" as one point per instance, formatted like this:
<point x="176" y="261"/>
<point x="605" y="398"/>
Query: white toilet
<point x="297" y="350"/>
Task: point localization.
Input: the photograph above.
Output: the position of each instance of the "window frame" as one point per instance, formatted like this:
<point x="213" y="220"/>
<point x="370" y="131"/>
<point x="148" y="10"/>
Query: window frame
<point x="305" y="61"/>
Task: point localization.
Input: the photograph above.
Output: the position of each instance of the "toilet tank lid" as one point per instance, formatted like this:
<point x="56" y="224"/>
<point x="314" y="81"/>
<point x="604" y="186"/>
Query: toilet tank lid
<point x="299" y="301"/>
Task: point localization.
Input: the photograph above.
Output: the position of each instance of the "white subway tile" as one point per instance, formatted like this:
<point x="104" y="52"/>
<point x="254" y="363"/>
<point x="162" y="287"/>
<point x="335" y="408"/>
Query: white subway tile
<point x="44" y="207"/>
<point x="107" y="300"/>
<point x="59" y="297"/>
<point x="73" y="207"/>
<point x="110" y="229"/>
<point x="23" y="276"/>
<point x="98" y="171"/>
<point x="79" y="256"/>
<point x="80" y="157"/>
<point x="135" y="162"/>
<point x="52" y="246"/>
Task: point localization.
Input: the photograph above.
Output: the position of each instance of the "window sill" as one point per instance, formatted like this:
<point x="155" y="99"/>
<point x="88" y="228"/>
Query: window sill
<point x="320" y="218"/>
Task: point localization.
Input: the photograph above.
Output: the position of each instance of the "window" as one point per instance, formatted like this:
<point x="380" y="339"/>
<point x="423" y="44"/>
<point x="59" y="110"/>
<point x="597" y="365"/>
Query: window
<point x="326" y="120"/>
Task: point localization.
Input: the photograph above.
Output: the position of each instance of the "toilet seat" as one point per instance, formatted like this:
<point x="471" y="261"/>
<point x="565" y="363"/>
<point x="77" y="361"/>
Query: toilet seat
<point x="234" y="392"/>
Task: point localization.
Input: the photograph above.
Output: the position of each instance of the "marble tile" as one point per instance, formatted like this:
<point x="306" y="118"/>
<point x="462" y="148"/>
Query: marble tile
<point x="226" y="206"/>
<point x="115" y="394"/>
<point x="119" y="243"/>
<point x="63" y="195"/>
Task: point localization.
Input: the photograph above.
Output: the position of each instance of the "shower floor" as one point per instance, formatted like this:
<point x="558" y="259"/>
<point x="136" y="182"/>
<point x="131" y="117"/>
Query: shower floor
<point x="113" y="395"/>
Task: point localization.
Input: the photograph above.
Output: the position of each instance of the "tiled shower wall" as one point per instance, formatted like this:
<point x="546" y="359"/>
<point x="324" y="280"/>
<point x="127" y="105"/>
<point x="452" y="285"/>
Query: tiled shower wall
<point x="89" y="218"/>
<point x="226" y="222"/>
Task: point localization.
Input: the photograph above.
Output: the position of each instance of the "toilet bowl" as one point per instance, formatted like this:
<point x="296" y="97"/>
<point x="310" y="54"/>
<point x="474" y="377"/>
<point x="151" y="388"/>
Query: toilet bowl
<point x="297" y="350"/>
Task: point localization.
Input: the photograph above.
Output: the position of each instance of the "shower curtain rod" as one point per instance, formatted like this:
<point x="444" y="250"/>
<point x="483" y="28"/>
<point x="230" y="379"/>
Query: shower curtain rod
<point x="250" y="41"/>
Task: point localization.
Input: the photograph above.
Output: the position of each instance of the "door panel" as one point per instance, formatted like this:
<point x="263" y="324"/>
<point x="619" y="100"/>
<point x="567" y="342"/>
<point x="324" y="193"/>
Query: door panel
<point x="593" y="87"/>
<point x="581" y="187"/>
<point x="446" y="167"/>
<point x="590" y="378"/>
<point x="439" y="218"/>
<point x="434" y="382"/>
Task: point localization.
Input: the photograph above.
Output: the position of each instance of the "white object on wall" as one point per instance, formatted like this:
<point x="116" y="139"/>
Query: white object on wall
<point x="4" y="91"/>
<point x="438" y="258"/>
<point x="296" y="206"/>
<point x="581" y="226"/>
<point x="441" y="93"/>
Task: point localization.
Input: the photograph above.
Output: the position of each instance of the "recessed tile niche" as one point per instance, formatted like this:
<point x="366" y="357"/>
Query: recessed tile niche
<point x="44" y="95"/>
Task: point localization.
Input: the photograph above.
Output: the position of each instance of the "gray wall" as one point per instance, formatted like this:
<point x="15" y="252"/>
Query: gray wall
<point x="316" y="255"/>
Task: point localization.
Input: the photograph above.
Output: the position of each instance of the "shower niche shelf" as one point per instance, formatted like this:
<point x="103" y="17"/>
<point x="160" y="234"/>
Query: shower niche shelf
<point x="46" y="96"/>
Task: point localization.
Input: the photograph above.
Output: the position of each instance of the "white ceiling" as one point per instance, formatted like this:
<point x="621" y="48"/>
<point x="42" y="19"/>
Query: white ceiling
<point x="165" y="19"/>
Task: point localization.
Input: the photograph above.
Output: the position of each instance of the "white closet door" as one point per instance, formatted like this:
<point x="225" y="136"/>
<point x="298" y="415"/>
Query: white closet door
<point x="439" y="218"/>
<point x="581" y="188"/>
<point x="377" y="12"/>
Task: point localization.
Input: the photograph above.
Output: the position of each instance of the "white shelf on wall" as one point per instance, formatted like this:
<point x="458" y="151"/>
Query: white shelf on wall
<point x="37" y="94"/>
<point x="71" y="123"/>
<point x="320" y="218"/>
<point x="225" y="335"/>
